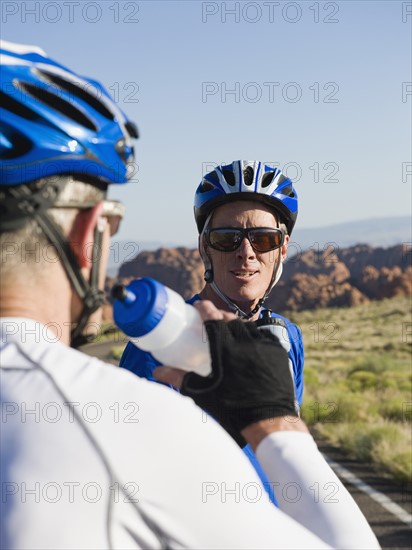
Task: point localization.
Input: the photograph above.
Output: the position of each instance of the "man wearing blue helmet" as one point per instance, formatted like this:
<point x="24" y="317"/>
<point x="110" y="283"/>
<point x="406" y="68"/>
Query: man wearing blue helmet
<point x="61" y="146"/>
<point x="236" y="191"/>
<point x="88" y="451"/>
<point x="245" y="213"/>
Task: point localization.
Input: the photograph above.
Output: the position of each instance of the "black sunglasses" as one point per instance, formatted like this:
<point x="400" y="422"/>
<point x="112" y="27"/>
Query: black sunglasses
<point x="228" y="239"/>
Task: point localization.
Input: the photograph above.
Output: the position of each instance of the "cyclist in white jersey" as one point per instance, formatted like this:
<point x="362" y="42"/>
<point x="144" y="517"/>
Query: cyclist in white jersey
<point x="88" y="453"/>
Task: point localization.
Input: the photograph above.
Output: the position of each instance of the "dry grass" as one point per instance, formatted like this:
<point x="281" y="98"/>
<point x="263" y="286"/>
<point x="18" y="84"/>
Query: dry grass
<point x="358" y="368"/>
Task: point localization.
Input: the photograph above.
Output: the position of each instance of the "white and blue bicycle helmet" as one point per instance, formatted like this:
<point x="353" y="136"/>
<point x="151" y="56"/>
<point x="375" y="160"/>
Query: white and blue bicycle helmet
<point x="54" y="122"/>
<point x="244" y="180"/>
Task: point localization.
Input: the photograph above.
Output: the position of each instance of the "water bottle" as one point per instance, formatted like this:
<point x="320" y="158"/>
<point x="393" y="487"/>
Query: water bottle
<point x="158" y="320"/>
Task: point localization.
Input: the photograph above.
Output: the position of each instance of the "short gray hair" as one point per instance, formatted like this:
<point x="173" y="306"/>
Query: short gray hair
<point x="28" y="248"/>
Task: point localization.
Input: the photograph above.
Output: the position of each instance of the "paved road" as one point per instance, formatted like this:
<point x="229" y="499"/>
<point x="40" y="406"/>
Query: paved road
<point x="392" y="533"/>
<point x="102" y="351"/>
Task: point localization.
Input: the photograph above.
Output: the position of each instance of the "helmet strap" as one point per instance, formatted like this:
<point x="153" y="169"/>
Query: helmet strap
<point x="88" y="292"/>
<point x="208" y="275"/>
<point x="277" y="272"/>
<point x="94" y="297"/>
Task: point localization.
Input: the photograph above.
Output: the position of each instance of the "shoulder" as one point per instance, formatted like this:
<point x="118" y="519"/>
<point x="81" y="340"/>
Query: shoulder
<point x="128" y="408"/>
<point x="293" y="329"/>
<point x="138" y="361"/>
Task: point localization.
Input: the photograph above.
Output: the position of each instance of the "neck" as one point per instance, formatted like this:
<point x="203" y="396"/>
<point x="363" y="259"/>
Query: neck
<point x="44" y="299"/>
<point x="208" y="293"/>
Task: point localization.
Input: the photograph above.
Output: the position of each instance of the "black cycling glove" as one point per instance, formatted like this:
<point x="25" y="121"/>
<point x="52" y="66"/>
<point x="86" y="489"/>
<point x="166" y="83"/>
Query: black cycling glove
<point x="250" y="379"/>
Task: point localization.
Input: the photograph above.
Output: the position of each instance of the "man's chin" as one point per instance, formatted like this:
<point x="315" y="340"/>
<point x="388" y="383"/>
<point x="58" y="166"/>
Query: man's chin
<point x="245" y="302"/>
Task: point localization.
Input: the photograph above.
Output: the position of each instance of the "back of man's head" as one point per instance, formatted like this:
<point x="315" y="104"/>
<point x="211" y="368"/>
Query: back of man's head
<point x="63" y="140"/>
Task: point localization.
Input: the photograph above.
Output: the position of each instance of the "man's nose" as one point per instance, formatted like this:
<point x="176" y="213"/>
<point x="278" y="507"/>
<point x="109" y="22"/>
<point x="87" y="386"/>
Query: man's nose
<point x="246" y="250"/>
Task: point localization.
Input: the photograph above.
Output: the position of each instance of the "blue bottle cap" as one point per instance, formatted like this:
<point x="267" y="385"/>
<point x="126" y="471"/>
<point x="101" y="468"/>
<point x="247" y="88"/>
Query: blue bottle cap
<point x="137" y="318"/>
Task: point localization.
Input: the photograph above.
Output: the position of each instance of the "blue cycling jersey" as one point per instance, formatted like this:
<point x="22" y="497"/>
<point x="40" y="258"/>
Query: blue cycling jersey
<point x="143" y="363"/>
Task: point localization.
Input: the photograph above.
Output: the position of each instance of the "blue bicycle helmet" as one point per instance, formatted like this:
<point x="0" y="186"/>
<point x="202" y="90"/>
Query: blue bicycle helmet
<point x="237" y="181"/>
<point x="53" y="121"/>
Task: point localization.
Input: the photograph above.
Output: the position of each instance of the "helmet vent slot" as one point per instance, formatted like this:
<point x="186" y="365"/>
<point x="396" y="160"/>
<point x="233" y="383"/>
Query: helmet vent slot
<point x="132" y="129"/>
<point x="17" y="146"/>
<point x="229" y="177"/>
<point x="206" y="186"/>
<point x="59" y="104"/>
<point x="17" y="107"/>
<point x="80" y="93"/>
<point x="267" y="179"/>
<point x="288" y="191"/>
<point x="281" y="179"/>
<point x="248" y="175"/>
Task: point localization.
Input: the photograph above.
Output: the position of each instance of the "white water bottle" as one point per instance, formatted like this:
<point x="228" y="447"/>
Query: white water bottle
<point x="158" y="320"/>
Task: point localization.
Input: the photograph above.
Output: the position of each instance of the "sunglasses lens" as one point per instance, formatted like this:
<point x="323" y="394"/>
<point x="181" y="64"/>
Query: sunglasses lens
<point x="264" y="240"/>
<point x="225" y="240"/>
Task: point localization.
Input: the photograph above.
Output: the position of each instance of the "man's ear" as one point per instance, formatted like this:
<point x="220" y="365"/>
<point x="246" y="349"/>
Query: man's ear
<point x="81" y="237"/>
<point x="284" y="249"/>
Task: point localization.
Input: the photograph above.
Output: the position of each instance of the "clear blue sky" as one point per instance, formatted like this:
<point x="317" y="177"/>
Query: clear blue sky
<point x="320" y="87"/>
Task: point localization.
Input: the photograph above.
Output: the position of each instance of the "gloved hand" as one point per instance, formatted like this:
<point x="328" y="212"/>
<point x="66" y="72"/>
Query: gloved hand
<point x="250" y="379"/>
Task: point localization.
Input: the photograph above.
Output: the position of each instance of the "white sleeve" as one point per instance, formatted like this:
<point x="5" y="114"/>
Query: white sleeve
<point x="308" y="490"/>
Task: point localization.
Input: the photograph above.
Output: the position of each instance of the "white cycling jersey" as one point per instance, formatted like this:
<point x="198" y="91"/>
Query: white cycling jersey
<point x="95" y="457"/>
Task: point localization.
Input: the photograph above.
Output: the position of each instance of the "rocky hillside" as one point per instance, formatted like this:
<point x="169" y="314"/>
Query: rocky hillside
<point x="343" y="277"/>
<point x="331" y="277"/>
<point x="179" y="268"/>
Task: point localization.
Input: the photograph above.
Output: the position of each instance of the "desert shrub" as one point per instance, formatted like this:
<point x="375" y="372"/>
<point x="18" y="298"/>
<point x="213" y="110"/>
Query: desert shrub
<point x="388" y="382"/>
<point x="311" y="377"/>
<point x="360" y="380"/>
<point x="374" y="363"/>
<point x="394" y="451"/>
<point x="392" y="409"/>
